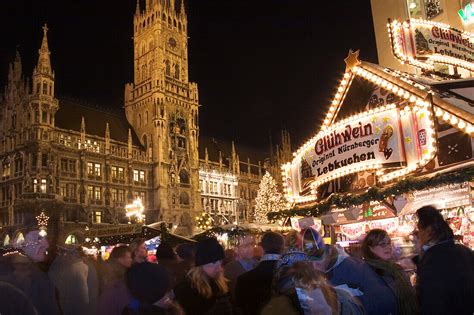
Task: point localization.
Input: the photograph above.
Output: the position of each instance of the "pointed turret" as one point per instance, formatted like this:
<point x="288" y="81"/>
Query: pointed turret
<point x="83" y="133"/>
<point x="206" y="157"/>
<point x="137" y="10"/>
<point x="129" y="143"/>
<point x="107" y="139"/>
<point x="43" y="75"/>
<point x="220" y="160"/>
<point x="44" y="62"/>
<point x="17" y="67"/>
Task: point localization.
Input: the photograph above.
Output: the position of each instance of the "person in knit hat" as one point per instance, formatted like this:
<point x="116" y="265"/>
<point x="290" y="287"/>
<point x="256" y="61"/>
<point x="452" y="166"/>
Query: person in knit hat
<point x="205" y="290"/>
<point x="150" y="286"/>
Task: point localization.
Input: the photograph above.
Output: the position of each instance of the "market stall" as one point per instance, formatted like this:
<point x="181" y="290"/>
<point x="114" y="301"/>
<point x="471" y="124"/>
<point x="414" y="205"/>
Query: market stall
<point x="390" y="143"/>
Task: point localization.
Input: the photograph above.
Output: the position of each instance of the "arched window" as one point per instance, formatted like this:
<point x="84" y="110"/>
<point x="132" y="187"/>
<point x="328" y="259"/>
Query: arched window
<point x="168" y="68"/>
<point x="139" y="120"/>
<point x="169" y="21"/>
<point x="176" y="71"/>
<point x="146" y="118"/>
<point x="71" y="239"/>
<point x="6" y="240"/>
<point x="183" y="177"/>
<point x="45" y="88"/>
<point x="20" y="238"/>
<point x="174" y="23"/>
<point x="38" y="87"/>
<point x="145" y="141"/>
<point x="184" y="198"/>
<point x="163" y="16"/>
<point x="179" y="26"/>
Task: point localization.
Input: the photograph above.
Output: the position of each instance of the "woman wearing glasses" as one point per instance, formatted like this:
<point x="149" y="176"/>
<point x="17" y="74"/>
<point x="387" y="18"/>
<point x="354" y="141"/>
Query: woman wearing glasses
<point x="378" y="253"/>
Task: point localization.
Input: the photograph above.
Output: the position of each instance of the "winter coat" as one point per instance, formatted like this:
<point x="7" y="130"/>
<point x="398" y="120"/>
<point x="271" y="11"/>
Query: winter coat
<point x="71" y="277"/>
<point x="38" y="288"/>
<point x="254" y="288"/>
<point x="194" y="303"/>
<point x="114" y="299"/>
<point x="14" y="302"/>
<point x="232" y="271"/>
<point x="355" y="276"/>
<point x="445" y="280"/>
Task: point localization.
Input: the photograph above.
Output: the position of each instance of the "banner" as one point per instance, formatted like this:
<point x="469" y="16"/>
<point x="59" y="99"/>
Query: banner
<point x="425" y="43"/>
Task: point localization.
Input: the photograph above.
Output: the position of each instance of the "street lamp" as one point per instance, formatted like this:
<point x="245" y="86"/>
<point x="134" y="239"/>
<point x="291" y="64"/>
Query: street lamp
<point x="135" y="209"/>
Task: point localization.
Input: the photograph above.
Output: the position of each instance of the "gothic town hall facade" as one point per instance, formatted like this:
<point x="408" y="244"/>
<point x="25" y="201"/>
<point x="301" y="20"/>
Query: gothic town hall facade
<point x="82" y="165"/>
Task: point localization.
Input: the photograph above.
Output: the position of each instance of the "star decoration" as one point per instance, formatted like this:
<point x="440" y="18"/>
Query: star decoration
<point x="407" y="140"/>
<point x="352" y="60"/>
<point x="374" y="119"/>
<point x="425" y="151"/>
<point x="422" y="115"/>
<point x="377" y="130"/>
<point x="385" y="119"/>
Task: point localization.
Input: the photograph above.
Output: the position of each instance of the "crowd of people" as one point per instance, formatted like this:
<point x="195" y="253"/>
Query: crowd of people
<point x="292" y="274"/>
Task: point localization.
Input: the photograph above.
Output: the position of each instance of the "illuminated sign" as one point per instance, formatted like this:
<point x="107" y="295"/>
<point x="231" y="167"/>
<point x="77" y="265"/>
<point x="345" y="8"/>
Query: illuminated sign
<point x="366" y="143"/>
<point x="467" y="14"/>
<point x="387" y="139"/>
<point x="425" y="43"/>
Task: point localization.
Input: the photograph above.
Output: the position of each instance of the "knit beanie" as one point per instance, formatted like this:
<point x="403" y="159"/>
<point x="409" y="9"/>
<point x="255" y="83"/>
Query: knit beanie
<point x="208" y="251"/>
<point x="148" y="282"/>
<point x="165" y="251"/>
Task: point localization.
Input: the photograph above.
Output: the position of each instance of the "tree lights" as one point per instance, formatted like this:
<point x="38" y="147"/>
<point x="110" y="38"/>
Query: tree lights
<point x="135" y="210"/>
<point x="268" y="199"/>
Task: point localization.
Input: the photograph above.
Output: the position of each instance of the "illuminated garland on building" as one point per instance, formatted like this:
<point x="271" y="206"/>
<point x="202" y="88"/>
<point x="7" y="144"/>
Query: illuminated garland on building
<point x="406" y="185"/>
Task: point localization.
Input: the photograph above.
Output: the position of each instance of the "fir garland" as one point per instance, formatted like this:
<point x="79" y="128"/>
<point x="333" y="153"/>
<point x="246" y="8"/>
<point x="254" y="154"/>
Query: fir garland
<point x="346" y="200"/>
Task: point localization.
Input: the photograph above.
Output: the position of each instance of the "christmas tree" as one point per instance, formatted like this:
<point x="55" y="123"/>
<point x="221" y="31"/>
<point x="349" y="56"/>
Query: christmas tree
<point x="269" y="199"/>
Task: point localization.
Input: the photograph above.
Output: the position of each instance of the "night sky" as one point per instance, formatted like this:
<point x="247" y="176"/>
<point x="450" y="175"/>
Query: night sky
<point x="260" y="65"/>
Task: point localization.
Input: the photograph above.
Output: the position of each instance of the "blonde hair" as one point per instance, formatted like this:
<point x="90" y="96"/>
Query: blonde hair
<point x="200" y="281"/>
<point x="308" y="278"/>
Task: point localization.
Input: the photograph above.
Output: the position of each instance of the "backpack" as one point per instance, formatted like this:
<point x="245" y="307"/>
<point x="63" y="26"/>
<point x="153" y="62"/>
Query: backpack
<point x="348" y="305"/>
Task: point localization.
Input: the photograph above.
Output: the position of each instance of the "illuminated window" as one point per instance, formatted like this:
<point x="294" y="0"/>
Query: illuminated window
<point x="97" y="193"/>
<point x="121" y="195"/>
<point x="45" y="87"/>
<point x="114" y="194"/>
<point x="90" y="192"/>
<point x="71" y="239"/>
<point x="139" y="176"/>
<point x="98" y="217"/>
<point x="93" y="169"/>
<point x="415" y="9"/>
<point x="6" y="168"/>
<point x="43" y="186"/>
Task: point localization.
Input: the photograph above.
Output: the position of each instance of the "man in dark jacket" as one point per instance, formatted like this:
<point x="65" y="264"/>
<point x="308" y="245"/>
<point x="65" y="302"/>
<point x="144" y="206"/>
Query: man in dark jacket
<point x="253" y="289"/>
<point x="445" y="281"/>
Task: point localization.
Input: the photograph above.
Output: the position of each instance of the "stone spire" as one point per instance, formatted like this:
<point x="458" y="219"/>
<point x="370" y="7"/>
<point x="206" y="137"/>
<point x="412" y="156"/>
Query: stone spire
<point x="107" y="138"/>
<point x="129" y="142"/>
<point x="137" y="10"/>
<point x="44" y="62"/>
<point x="83" y="133"/>
<point x="17" y="67"/>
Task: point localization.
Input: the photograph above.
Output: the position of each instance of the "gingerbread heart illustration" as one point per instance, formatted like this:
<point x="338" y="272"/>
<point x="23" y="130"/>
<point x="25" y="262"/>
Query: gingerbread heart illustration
<point x="387" y="153"/>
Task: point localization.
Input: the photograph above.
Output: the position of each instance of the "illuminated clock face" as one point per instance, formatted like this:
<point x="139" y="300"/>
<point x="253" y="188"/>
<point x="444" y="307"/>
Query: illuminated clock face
<point x="172" y="43"/>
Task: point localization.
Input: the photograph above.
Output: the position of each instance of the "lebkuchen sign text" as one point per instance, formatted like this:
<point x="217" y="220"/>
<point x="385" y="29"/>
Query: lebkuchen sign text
<point x="369" y="142"/>
<point x="425" y="44"/>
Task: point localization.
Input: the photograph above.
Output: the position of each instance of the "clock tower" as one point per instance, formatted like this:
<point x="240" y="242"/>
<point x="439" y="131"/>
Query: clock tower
<point x="162" y="107"/>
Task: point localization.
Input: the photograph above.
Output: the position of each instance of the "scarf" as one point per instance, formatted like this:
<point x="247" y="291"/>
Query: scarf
<point x="404" y="292"/>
